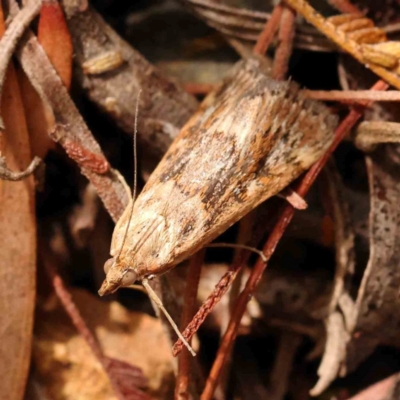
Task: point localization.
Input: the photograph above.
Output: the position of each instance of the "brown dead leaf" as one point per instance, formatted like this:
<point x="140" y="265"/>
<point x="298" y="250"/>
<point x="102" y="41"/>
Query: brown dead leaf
<point x="17" y="246"/>
<point x="68" y="369"/>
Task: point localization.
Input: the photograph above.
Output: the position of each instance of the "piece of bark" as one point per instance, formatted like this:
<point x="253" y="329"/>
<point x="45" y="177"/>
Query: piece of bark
<point x="164" y="105"/>
<point x="17" y="247"/>
<point x="378" y="318"/>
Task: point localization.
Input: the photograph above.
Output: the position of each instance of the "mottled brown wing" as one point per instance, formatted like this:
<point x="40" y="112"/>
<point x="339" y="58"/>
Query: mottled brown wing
<point x="248" y="141"/>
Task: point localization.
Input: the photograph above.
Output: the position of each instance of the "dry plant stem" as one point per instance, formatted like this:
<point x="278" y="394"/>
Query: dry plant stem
<point x="267" y="34"/>
<point x="340" y="38"/>
<point x="285" y="46"/>
<point x="11" y="36"/>
<point x="7" y="174"/>
<point x="352" y="95"/>
<point x="189" y="307"/>
<point x="344" y="6"/>
<point x="269" y="248"/>
<point x="371" y="133"/>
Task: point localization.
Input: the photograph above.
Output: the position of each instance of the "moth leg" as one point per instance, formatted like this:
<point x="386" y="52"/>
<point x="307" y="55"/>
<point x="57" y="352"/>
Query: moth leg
<point x="239" y="246"/>
<point x="9" y="175"/>
<point x="371" y="133"/>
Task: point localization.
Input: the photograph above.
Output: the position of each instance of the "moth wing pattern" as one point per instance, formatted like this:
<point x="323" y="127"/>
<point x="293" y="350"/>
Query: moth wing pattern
<point x="248" y="140"/>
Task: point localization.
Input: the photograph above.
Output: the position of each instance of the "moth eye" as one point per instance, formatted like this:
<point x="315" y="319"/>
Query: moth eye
<point x="129" y="278"/>
<point x="108" y="264"/>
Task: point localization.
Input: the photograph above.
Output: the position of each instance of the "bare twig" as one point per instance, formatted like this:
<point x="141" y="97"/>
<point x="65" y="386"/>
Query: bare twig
<point x="267" y="34"/>
<point x="11" y="36"/>
<point x="7" y="174"/>
<point x="285" y="44"/>
<point x="344" y="6"/>
<point x="269" y="248"/>
<point x="189" y="306"/>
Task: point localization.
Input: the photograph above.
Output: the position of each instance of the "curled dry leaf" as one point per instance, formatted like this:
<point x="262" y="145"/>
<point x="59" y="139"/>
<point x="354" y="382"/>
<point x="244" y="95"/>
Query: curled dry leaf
<point x="378" y="318"/>
<point x="17" y="245"/>
<point x="69" y="370"/>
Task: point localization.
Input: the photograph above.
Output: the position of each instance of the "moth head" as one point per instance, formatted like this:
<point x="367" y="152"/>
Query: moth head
<point x="117" y="275"/>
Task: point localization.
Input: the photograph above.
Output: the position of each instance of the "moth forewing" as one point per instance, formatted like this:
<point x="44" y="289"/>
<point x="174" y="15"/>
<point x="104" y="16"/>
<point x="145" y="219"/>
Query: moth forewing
<point x="249" y="139"/>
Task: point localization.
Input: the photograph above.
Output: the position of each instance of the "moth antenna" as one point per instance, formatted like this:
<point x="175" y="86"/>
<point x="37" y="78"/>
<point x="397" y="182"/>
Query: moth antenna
<point x="134" y="173"/>
<point x="159" y="303"/>
<point x="240" y="246"/>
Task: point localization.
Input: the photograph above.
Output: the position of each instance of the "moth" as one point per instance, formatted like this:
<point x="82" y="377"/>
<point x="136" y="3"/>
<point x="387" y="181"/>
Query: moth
<point x="249" y="139"/>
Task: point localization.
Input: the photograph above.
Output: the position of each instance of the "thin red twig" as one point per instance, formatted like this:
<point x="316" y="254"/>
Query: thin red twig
<point x="220" y="289"/>
<point x="189" y="307"/>
<point x="344" y="6"/>
<point x="285" y="44"/>
<point x="269" y="248"/>
<point x="271" y="27"/>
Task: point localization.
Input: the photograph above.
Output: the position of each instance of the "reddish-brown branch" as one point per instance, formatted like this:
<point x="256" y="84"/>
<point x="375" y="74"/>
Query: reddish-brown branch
<point x="344" y="6"/>
<point x="285" y="43"/>
<point x="189" y="307"/>
<point x="269" y="248"/>
<point x="271" y="27"/>
<point x="220" y="289"/>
